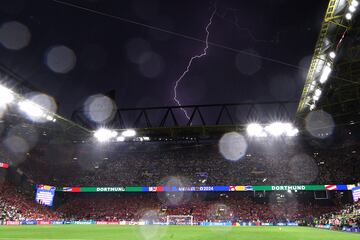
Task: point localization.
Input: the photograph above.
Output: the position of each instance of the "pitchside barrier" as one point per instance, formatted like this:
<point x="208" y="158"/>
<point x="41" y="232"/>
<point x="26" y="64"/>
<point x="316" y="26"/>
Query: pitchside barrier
<point x="224" y="224"/>
<point x="93" y="222"/>
<point x="345" y="229"/>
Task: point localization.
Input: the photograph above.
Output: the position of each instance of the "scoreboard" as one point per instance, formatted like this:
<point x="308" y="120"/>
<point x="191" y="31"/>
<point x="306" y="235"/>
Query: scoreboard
<point x="356" y="193"/>
<point x="45" y="195"/>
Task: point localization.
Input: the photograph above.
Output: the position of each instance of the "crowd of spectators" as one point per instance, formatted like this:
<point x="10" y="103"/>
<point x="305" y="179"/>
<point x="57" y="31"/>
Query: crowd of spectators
<point x="348" y="216"/>
<point x="155" y="164"/>
<point x="151" y="165"/>
<point x="16" y="205"/>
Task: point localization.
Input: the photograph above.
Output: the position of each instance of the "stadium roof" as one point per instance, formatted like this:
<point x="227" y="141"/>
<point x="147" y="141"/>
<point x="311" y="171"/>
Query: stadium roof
<point x="337" y="35"/>
<point x="333" y="74"/>
<point x="75" y="49"/>
<point x="57" y="127"/>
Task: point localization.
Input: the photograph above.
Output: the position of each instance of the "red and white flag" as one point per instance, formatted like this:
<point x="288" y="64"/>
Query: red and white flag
<point x="330" y="187"/>
<point x="4" y="165"/>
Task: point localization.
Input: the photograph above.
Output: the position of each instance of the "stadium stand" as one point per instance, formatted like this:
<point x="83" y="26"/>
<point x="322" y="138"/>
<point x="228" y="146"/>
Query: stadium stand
<point x="150" y="164"/>
<point x="348" y="217"/>
<point x="43" y="149"/>
<point x="16" y="205"/>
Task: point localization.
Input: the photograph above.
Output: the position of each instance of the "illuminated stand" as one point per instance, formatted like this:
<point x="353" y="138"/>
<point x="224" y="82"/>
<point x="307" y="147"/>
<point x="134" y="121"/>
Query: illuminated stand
<point x="179" y="220"/>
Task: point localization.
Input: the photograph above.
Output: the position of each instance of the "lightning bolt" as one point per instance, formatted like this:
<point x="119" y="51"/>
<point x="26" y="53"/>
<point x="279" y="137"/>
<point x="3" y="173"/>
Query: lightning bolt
<point x="233" y="19"/>
<point x="176" y="99"/>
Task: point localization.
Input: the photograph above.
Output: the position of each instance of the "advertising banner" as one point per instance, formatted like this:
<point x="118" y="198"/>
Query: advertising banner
<point x="289" y="187"/>
<point x="101" y="222"/>
<point x="29" y="222"/>
<point x="84" y="222"/>
<point x="210" y="188"/>
<point x="12" y="223"/>
<point x="107" y="223"/>
<point x="327" y="226"/>
<point x="113" y="223"/>
<point x="351" y="229"/>
<point x="44" y="222"/>
<point x="57" y="222"/>
<point x="156" y="189"/>
<point x="136" y="189"/>
<point x="292" y="224"/>
<point x="70" y="189"/>
<point x="107" y="189"/>
<point x="216" y="224"/>
<point x="248" y="224"/>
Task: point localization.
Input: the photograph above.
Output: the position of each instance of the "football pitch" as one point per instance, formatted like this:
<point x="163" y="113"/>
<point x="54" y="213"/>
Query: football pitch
<point x="95" y="232"/>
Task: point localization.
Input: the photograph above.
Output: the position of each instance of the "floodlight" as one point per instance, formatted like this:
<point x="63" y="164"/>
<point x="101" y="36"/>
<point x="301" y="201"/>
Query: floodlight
<point x="352" y="9"/>
<point x="129" y="133"/>
<point x="254" y="129"/>
<point x="31" y="109"/>
<point x="316" y="98"/>
<point x="317" y="92"/>
<point x="103" y="134"/>
<point x="348" y="16"/>
<point x="332" y="55"/>
<point x="275" y="129"/>
<point x="263" y="134"/>
<point x="288" y="128"/>
<point x="6" y="96"/>
<point x="312" y="87"/>
<point x="312" y="107"/>
<point x="49" y="118"/>
<point x="325" y="74"/>
<point x="354" y="3"/>
<point x="292" y="132"/>
<point x="120" y="139"/>
<point x="114" y="134"/>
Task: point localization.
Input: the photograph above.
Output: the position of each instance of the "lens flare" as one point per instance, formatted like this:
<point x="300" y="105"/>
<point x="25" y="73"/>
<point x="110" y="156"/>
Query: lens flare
<point x="60" y="59"/>
<point x="319" y="124"/>
<point x="14" y="35"/>
<point x="233" y="146"/>
<point x="99" y="108"/>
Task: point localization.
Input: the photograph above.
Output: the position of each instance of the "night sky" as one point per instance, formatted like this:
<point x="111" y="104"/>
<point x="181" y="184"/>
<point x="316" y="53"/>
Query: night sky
<point x="142" y="65"/>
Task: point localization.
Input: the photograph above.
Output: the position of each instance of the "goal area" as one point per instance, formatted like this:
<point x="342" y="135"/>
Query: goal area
<point x="179" y="220"/>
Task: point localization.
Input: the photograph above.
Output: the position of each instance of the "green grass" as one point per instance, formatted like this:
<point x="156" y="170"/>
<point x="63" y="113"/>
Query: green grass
<point x="106" y="232"/>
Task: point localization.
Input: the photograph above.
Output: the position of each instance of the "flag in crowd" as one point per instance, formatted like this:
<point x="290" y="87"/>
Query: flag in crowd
<point x="4" y="165"/>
